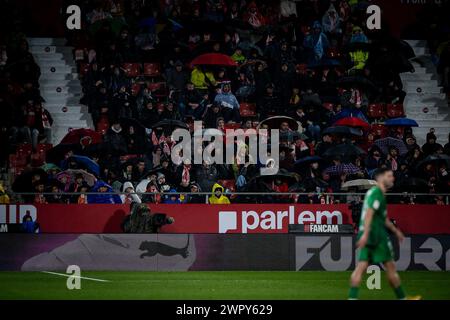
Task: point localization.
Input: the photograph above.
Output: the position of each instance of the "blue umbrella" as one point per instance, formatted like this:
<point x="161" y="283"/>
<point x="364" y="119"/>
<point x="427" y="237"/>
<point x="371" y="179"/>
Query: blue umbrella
<point x="348" y="113"/>
<point x="83" y="162"/>
<point x="401" y="122"/>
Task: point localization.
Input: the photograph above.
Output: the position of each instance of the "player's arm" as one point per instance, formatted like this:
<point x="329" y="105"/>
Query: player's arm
<point x="391" y="227"/>
<point x="368" y="216"/>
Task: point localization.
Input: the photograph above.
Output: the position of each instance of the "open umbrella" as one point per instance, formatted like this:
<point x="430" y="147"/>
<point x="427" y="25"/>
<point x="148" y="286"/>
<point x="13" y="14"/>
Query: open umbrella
<point x="386" y="143"/>
<point x="88" y="177"/>
<point x="57" y="153"/>
<point x="357" y="82"/>
<point x="275" y="122"/>
<point x="435" y="159"/>
<point x="354" y="122"/>
<point x="412" y="184"/>
<point x="339" y="169"/>
<point x="138" y="127"/>
<point x="81" y="162"/>
<point x="50" y="166"/>
<point x="401" y="122"/>
<point x="170" y="125"/>
<point x="357" y="46"/>
<point x="342" y="130"/>
<point x="307" y="161"/>
<point x="360" y="184"/>
<point x="346" y="151"/>
<point x="325" y="63"/>
<point x="74" y="136"/>
<point x="23" y="182"/>
<point x="214" y="59"/>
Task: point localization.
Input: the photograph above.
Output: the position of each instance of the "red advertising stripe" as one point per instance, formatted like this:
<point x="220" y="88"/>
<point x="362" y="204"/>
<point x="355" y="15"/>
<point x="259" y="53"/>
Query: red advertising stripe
<point x="234" y="218"/>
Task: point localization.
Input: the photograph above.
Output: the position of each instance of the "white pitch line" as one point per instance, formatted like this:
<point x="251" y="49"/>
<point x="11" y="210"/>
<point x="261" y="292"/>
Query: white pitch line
<point x="69" y="275"/>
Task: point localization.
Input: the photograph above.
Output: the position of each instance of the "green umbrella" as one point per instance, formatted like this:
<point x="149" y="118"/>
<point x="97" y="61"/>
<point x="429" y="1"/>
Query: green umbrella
<point x="50" y="166"/>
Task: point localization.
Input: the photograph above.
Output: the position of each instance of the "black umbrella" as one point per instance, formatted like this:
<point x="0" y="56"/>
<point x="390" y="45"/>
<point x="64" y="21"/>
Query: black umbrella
<point x="275" y="122"/>
<point x="343" y="130"/>
<point x="357" y="82"/>
<point x="357" y="46"/>
<point x="346" y="151"/>
<point x="412" y="185"/>
<point x="435" y="159"/>
<point x="57" y="153"/>
<point x="138" y="127"/>
<point x="259" y="183"/>
<point x="307" y="161"/>
<point x="23" y="183"/>
<point x="169" y="126"/>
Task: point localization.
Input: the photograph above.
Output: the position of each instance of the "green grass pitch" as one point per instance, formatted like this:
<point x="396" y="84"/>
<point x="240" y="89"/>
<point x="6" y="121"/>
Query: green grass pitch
<point x="215" y="285"/>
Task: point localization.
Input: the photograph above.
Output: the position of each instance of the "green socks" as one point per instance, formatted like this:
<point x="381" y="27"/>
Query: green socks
<point x="399" y="293"/>
<point x="353" y="294"/>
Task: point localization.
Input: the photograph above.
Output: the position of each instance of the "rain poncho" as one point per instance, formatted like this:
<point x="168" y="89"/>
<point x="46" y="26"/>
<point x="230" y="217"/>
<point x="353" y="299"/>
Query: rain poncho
<point x="4" y="198"/>
<point x="202" y="80"/>
<point x="317" y="42"/>
<point x="103" y="197"/>
<point x="222" y="199"/>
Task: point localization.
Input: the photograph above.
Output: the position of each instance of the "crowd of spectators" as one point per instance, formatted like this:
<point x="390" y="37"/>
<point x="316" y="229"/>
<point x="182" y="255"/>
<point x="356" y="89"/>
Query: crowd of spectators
<point x="313" y="62"/>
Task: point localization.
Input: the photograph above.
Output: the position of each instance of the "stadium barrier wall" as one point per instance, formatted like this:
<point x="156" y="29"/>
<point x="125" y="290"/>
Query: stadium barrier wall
<point x="207" y="252"/>
<point x="203" y="218"/>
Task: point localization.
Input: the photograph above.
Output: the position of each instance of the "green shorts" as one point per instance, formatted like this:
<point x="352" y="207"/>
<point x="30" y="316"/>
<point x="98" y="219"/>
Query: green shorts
<point x="380" y="253"/>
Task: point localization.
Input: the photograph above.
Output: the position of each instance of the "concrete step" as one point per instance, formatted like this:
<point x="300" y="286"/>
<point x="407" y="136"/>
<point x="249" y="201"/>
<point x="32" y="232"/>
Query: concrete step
<point x="425" y="90"/>
<point x="427" y="117"/>
<point x="417" y="76"/>
<point x="420" y="51"/>
<point x="58" y="108"/>
<point x="58" y="82"/>
<point x="416" y="43"/>
<point x="61" y="116"/>
<point x="420" y="82"/>
<point x="46" y="41"/>
<point x="58" y="89"/>
<point x="434" y="123"/>
<point x="64" y="69"/>
<point x="50" y="50"/>
<point x="58" y="76"/>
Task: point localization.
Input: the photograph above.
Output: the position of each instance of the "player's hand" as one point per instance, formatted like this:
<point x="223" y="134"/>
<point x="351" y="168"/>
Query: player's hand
<point x="362" y="241"/>
<point x="400" y="236"/>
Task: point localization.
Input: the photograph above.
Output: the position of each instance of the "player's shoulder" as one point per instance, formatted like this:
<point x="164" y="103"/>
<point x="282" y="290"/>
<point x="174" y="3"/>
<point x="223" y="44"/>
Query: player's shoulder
<point x="374" y="191"/>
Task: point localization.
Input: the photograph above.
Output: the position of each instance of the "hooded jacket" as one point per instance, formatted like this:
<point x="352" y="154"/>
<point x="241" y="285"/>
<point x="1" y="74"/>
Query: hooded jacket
<point x="4" y="198"/>
<point x="222" y="199"/>
<point x="130" y="197"/>
<point x="102" y="197"/>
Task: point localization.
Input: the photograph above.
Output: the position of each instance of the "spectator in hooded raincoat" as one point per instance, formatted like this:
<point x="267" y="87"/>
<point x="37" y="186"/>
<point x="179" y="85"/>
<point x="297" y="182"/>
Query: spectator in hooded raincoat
<point x="217" y="196"/>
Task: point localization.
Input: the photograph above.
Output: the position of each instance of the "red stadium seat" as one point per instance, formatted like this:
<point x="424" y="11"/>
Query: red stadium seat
<point x="131" y="70"/>
<point x="328" y="105"/>
<point x="84" y="68"/>
<point x="152" y="69"/>
<point x="247" y="109"/>
<point x="158" y="89"/>
<point x="232" y="126"/>
<point x="376" y="111"/>
<point x="379" y="130"/>
<point x="135" y="89"/>
<point x="230" y="185"/>
<point x="395" y="110"/>
<point x="24" y="150"/>
<point x="102" y="125"/>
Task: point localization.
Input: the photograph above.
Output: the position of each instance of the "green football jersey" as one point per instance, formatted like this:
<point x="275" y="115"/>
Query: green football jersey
<point x="375" y="200"/>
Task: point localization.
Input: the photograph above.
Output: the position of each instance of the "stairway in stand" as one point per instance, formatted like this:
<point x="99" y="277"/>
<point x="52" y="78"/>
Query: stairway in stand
<point x="60" y="86"/>
<point x="425" y="101"/>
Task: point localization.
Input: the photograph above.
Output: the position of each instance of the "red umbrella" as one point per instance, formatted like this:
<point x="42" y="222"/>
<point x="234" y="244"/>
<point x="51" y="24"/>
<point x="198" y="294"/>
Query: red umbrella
<point x="74" y="136"/>
<point x="352" y="122"/>
<point x="214" y="59"/>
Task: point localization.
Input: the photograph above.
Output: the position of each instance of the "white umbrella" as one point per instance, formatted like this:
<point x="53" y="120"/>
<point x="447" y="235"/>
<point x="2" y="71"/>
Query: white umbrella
<point x="360" y="184"/>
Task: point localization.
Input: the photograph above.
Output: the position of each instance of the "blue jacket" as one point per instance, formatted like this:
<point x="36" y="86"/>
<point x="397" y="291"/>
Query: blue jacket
<point x="101" y="197"/>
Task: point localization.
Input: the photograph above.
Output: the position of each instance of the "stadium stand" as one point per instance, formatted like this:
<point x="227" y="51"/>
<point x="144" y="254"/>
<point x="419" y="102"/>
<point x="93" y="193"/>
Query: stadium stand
<point x="129" y="76"/>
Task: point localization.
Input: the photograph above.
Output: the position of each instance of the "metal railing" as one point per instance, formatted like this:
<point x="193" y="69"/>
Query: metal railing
<point x="258" y="197"/>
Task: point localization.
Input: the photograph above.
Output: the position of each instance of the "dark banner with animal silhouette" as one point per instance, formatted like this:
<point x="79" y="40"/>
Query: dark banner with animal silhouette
<point x="202" y="218"/>
<point x="185" y="252"/>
